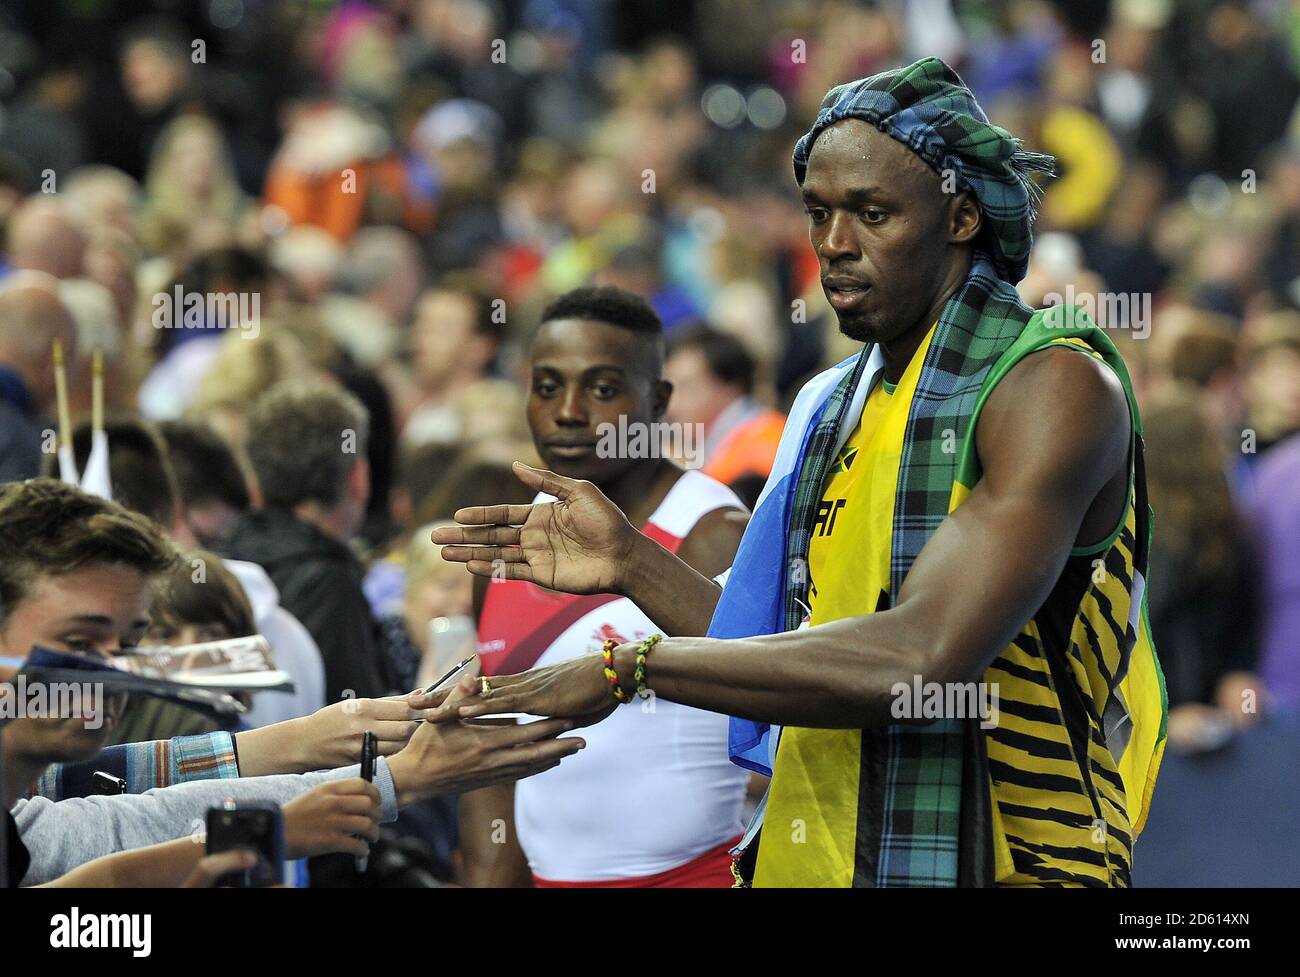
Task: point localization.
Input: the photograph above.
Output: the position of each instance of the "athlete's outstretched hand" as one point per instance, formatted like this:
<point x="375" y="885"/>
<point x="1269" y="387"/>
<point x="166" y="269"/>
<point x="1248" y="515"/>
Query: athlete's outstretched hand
<point x="575" y="689"/>
<point x="580" y="544"/>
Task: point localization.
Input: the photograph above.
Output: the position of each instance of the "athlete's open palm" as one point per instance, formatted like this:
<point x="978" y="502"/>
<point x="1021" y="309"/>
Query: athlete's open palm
<point x="578" y="544"/>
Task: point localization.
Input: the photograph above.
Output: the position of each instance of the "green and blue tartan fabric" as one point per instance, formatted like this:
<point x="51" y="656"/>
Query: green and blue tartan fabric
<point x="926" y="820"/>
<point x="926" y="787"/>
<point x="928" y="108"/>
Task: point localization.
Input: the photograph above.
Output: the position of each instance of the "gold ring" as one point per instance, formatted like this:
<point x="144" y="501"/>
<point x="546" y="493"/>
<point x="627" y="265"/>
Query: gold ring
<point x="484" y="687"/>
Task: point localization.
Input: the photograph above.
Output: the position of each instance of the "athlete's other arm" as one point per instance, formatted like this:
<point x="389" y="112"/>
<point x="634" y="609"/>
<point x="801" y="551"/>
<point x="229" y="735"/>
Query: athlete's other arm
<point x="583" y="544"/>
<point x="984" y="573"/>
<point x="491" y="857"/>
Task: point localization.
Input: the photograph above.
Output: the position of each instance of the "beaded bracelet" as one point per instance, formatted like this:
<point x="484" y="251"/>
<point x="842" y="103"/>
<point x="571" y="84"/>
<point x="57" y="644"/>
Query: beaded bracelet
<point x="611" y="676"/>
<point x="641" y="653"/>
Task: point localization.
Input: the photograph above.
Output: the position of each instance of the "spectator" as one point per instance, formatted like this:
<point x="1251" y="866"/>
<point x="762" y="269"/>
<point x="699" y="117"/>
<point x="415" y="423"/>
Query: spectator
<point x="75" y="573"/>
<point x="1272" y="378"/>
<point x="713" y="386"/>
<point x="156" y="77"/>
<point x="31" y="319"/>
<point x="1277" y="527"/>
<point x="187" y="333"/>
<point x="209" y="479"/>
<point x="435" y="589"/>
<point x="379" y="278"/>
<point x="198" y="599"/>
<point x="461" y="480"/>
<point x="144" y="481"/>
<point x="1202" y="594"/>
<point x="1202" y="351"/>
<point x="335" y="170"/>
<point x="105" y="198"/>
<point x="195" y="203"/>
<point x="139" y="471"/>
<point x="45" y="236"/>
<point x="420" y="470"/>
<point x="89" y="554"/>
<point x="454" y="342"/>
<point x="306" y="445"/>
<point x="241" y="369"/>
<point x="463" y="484"/>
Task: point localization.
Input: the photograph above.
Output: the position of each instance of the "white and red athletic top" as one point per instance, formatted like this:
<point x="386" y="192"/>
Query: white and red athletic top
<point x="653" y="799"/>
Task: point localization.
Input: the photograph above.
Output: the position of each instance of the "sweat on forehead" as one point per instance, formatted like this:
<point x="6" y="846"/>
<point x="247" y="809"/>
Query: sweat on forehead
<point x="853" y="148"/>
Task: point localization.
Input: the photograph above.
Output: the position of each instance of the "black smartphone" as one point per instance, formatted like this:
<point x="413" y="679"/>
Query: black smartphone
<point x="252" y="825"/>
<point x="106" y="784"/>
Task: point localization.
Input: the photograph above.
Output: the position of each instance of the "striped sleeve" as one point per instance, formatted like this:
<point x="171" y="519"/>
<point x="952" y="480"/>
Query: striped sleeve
<point x="144" y="766"/>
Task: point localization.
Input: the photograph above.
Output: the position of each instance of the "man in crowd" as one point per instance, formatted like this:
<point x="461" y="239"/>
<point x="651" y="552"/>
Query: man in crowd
<point x="713" y="384"/>
<point x="208" y="477"/>
<point x="306" y="444"/>
<point x="653" y="801"/>
<point x="44" y="237"/>
<point x="959" y="508"/>
<point x="31" y="318"/>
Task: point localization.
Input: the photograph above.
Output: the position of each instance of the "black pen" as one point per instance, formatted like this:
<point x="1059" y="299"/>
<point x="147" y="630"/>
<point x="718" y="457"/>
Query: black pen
<point x="368" y="775"/>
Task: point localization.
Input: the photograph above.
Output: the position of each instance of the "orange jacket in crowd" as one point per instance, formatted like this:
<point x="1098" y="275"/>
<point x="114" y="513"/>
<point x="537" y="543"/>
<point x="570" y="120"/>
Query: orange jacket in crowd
<point x="382" y="195"/>
<point x="749" y="449"/>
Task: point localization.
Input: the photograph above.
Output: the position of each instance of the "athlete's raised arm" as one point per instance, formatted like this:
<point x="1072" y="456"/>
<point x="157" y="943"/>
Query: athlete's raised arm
<point x="583" y="544"/>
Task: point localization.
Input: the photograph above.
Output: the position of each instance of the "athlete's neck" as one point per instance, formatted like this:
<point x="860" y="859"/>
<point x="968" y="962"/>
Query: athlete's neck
<point x="640" y="489"/>
<point x="898" y="352"/>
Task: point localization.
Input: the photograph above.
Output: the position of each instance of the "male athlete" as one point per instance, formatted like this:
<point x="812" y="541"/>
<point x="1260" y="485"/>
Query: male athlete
<point x="960" y="507"/>
<point x="666" y="812"/>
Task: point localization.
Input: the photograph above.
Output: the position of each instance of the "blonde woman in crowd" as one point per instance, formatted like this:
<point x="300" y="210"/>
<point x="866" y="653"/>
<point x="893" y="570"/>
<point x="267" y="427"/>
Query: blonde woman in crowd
<point x="194" y="201"/>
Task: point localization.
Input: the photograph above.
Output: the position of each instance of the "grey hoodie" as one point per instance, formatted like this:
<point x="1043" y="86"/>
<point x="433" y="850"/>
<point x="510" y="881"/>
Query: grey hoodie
<point x="64" y="834"/>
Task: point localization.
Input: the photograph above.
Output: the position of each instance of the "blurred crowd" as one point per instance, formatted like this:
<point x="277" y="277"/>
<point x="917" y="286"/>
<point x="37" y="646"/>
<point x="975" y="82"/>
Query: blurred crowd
<point x="395" y="189"/>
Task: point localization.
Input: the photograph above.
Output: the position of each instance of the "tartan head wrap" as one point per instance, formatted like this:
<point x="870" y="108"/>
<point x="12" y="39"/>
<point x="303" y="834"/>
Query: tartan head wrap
<point x="928" y="108"/>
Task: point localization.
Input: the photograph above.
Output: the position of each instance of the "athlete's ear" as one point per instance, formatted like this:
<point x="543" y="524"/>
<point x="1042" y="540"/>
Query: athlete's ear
<point x="965" y="218"/>
<point x="661" y="393"/>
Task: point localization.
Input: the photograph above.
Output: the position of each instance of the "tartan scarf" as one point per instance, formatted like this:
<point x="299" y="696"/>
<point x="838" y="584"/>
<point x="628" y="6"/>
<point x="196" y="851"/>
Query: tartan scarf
<point x="928" y="108"/>
<point x="928" y="785"/>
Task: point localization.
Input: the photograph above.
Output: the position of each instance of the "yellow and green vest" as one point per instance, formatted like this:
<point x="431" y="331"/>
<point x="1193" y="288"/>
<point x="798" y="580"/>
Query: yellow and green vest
<point x="1070" y="776"/>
